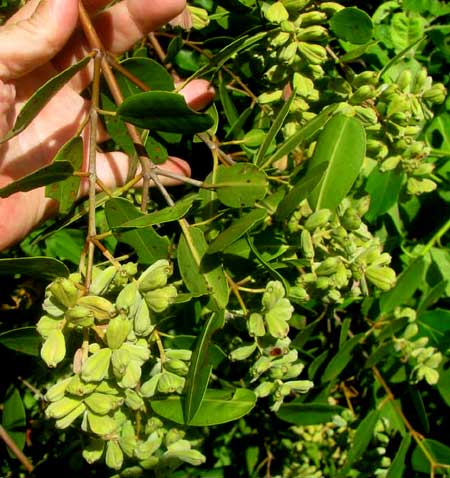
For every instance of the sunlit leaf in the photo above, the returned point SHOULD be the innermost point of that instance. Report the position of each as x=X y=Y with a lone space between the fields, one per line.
x=42 y=96
x=46 y=267
x=148 y=245
x=66 y=192
x=44 y=176
x=237 y=229
x=240 y=185
x=200 y=367
x=163 y=111
x=304 y=414
x=353 y=25
x=24 y=340
x=342 y=146
x=218 y=406
x=14 y=418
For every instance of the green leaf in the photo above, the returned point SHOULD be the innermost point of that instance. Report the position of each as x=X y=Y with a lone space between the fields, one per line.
x=438 y=451
x=305 y=414
x=45 y=267
x=229 y=109
x=168 y=214
x=66 y=244
x=201 y=273
x=444 y=385
x=341 y=145
x=14 y=418
x=384 y=190
x=240 y=185
x=353 y=25
x=341 y=359
x=44 y=176
x=148 y=245
x=236 y=230
x=397 y=468
x=435 y=324
x=301 y=136
x=24 y=340
x=407 y=283
x=406 y=29
x=66 y=192
x=361 y=440
x=163 y=111
x=217 y=407
x=149 y=72
x=300 y=191
x=42 y=96
x=276 y=125
x=200 y=367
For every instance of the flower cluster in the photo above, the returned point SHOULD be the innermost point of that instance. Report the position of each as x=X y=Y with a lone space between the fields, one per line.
x=115 y=328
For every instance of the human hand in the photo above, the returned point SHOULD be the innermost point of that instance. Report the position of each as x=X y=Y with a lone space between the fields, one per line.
x=40 y=40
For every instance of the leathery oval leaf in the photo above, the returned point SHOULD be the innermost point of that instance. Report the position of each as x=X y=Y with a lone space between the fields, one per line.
x=342 y=146
x=163 y=111
x=218 y=406
x=240 y=185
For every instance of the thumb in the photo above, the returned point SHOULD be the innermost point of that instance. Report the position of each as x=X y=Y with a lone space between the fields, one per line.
x=31 y=42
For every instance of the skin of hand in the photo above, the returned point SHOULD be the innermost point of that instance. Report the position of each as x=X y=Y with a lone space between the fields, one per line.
x=40 y=40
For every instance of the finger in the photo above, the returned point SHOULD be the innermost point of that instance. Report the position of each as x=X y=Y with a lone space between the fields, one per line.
x=28 y=43
x=121 y=26
x=112 y=170
x=198 y=93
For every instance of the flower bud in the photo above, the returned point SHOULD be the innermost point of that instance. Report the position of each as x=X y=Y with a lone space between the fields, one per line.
x=117 y=332
x=287 y=53
x=306 y=244
x=56 y=391
x=176 y=366
x=404 y=81
x=173 y=435
x=155 y=276
x=436 y=94
x=365 y=78
x=120 y=358
x=300 y=386
x=182 y=450
x=138 y=351
x=170 y=383
x=363 y=93
x=312 y=52
x=62 y=407
x=94 y=451
x=77 y=387
x=102 y=280
x=53 y=350
x=148 y=388
x=270 y=97
x=101 y=424
x=64 y=291
x=200 y=18
x=79 y=316
x=260 y=366
x=272 y=295
x=242 y=353
x=264 y=389
x=142 y=322
x=67 y=420
x=295 y=5
x=114 y=455
x=127 y=297
x=180 y=354
x=276 y=13
x=47 y=324
x=147 y=448
x=310 y=18
x=102 y=308
x=131 y=376
x=312 y=34
x=382 y=277
x=159 y=300
x=133 y=400
x=328 y=266
x=96 y=367
x=255 y=326
x=419 y=186
x=318 y=219
x=390 y=163
x=102 y=403
x=294 y=371
x=127 y=439
x=351 y=219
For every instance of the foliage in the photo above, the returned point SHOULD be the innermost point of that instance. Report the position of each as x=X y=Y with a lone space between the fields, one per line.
x=284 y=312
